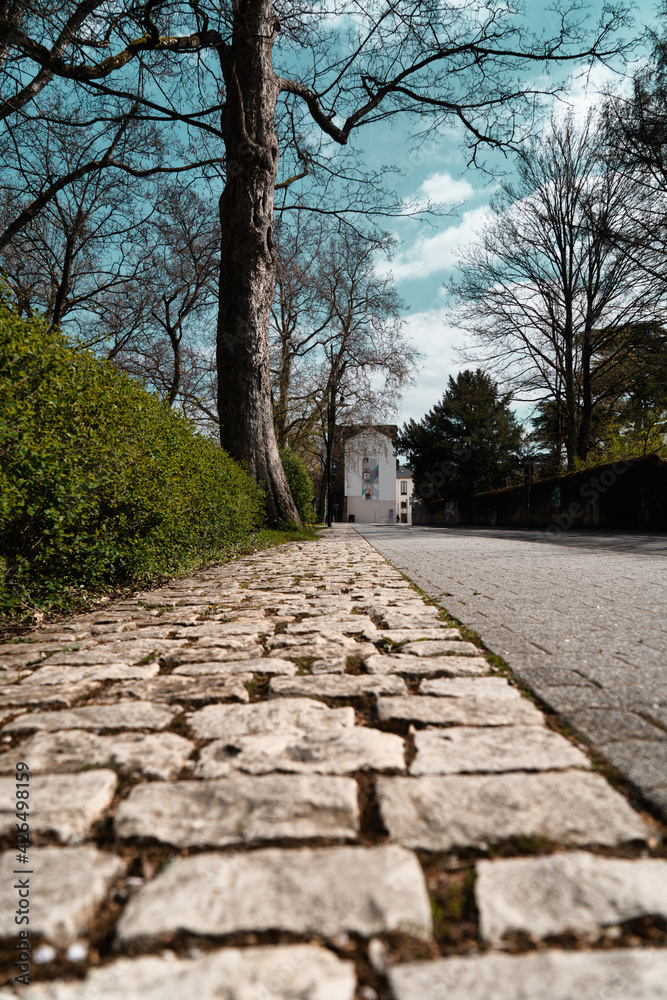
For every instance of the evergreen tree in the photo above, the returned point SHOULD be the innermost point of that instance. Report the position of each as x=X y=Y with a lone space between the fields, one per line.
x=469 y=442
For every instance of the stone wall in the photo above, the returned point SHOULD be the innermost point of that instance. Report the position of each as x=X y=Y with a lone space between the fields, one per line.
x=630 y=494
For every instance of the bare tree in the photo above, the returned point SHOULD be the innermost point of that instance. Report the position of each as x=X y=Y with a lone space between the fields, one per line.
x=635 y=131
x=547 y=292
x=340 y=66
x=177 y=291
x=336 y=331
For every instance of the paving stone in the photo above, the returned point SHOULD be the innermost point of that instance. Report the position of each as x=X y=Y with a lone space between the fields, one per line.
x=224 y=629
x=25 y=654
x=129 y=715
x=605 y=725
x=225 y=721
x=332 y=665
x=324 y=636
x=8 y=676
x=66 y=805
x=393 y=620
x=165 y=634
x=212 y=654
x=467 y=687
x=441 y=813
x=464 y=711
x=621 y=974
x=128 y=651
x=573 y=892
x=554 y=677
x=109 y=672
x=194 y=692
x=69 y=885
x=297 y=647
x=644 y=762
x=459 y=750
x=28 y=695
x=96 y=630
x=160 y=755
x=324 y=891
x=437 y=647
x=347 y=624
x=260 y=665
x=341 y=751
x=8 y=713
x=288 y=972
x=426 y=666
x=240 y=810
x=337 y=686
x=403 y=635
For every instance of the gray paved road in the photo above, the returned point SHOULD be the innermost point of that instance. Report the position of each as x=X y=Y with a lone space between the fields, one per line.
x=580 y=617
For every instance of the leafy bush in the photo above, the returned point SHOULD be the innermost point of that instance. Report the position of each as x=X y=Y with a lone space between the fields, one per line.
x=300 y=484
x=100 y=484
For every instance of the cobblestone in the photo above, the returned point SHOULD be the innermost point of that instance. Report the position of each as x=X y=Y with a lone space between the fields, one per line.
x=133 y=715
x=72 y=881
x=326 y=891
x=548 y=975
x=264 y=665
x=240 y=810
x=225 y=721
x=156 y=755
x=336 y=752
x=337 y=686
x=426 y=666
x=466 y=710
x=460 y=750
x=191 y=691
x=239 y=758
x=65 y=805
x=291 y=972
x=109 y=672
x=443 y=813
x=572 y=892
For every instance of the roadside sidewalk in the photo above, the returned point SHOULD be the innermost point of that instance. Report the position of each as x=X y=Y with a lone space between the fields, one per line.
x=287 y=779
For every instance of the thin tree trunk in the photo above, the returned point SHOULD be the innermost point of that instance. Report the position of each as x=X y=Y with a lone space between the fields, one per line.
x=248 y=255
x=283 y=385
x=65 y=281
x=175 y=340
x=586 y=422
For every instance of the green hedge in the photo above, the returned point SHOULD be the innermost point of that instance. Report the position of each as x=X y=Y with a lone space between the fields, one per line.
x=100 y=484
x=300 y=484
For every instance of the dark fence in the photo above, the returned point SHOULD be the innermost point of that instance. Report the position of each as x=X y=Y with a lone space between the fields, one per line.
x=630 y=494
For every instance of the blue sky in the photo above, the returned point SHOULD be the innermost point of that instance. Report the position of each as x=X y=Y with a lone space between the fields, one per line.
x=427 y=251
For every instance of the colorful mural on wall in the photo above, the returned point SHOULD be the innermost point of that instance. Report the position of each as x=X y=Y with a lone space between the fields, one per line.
x=370 y=477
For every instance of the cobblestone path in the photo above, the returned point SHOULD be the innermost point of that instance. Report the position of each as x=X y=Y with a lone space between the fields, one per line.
x=287 y=779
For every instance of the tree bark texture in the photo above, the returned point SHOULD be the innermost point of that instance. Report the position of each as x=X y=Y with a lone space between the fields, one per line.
x=248 y=254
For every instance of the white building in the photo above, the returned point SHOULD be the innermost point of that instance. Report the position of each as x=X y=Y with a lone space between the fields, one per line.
x=370 y=477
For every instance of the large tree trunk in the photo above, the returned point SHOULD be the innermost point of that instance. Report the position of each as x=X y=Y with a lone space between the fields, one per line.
x=248 y=255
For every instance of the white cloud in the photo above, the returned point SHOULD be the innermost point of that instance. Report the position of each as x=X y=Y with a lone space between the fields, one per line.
x=585 y=90
x=432 y=254
x=441 y=189
x=433 y=335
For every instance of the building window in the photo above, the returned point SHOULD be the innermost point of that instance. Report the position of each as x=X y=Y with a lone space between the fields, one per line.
x=404 y=488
